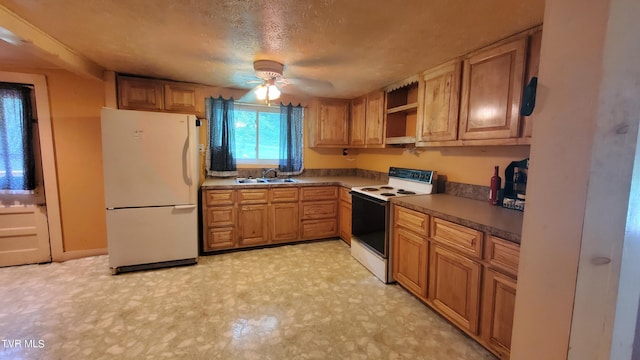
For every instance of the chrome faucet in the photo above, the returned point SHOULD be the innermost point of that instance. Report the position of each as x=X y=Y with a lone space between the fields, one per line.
x=267 y=171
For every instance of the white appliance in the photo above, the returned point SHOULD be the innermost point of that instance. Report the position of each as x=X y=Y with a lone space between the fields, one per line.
x=371 y=243
x=151 y=181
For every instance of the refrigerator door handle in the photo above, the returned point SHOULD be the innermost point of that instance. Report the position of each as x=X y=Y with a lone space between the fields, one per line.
x=181 y=207
x=186 y=157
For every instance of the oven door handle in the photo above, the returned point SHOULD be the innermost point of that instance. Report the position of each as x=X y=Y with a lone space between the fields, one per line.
x=368 y=198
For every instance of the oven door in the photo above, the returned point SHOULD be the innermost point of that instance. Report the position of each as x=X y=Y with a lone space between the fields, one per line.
x=369 y=219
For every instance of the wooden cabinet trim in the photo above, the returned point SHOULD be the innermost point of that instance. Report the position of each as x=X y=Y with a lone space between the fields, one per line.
x=503 y=255
x=498 y=307
x=252 y=196
x=459 y=237
x=219 y=197
x=448 y=292
x=439 y=103
x=410 y=257
x=412 y=220
x=513 y=53
x=312 y=193
x=289 y=194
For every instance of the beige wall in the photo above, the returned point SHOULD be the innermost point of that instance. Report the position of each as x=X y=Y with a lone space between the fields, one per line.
x=581 y=160
x=75 y=115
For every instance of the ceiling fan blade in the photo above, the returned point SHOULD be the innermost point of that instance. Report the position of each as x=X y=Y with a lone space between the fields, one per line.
x=250 y=96
x=310 y=84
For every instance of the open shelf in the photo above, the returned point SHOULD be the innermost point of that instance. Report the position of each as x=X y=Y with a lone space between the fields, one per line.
x=402 y=113
x=403 y=108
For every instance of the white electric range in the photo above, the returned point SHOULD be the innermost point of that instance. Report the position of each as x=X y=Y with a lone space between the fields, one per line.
x=370 y=216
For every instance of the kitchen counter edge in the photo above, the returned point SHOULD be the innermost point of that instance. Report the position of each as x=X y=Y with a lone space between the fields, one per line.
x=346 y=181
x=479 y=215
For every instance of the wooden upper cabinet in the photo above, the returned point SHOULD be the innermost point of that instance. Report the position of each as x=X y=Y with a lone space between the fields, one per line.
x=180 y=97
x=140 y=94
x=331 y=124
x=440 y=103
x=491 y=92
x=150 y=94
x=357 y=130
x=375 y=119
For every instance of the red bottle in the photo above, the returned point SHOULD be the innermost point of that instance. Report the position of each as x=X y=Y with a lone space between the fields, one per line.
x=495 y=186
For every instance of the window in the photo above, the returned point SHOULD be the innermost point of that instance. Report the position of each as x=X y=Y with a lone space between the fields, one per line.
x=257 y=136
x=17 y=163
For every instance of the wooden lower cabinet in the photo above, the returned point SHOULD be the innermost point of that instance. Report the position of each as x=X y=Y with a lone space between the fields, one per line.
x=454 y=287
x=319 y=229
x=410 y=261
x=253 y=224
x=220 y=238
x=345 y=221
x=498 y=301
x=284 y=222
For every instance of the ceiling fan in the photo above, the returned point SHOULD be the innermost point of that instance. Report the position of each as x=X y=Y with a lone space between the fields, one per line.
x=271 y=81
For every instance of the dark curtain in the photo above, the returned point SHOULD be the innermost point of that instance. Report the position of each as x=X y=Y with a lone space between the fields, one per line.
x=291 y=140
x=221 y=137
x=17 y=164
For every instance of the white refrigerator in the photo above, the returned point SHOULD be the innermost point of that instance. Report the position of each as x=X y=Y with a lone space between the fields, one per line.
x=150 y=165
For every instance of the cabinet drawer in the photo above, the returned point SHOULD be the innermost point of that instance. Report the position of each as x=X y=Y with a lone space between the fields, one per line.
x=344 y=194
x=220 y=238
x=289 y=194
x=461 y=238
x=319 y=193
x=319 y=210
x=219 y=197
x=411 y=220
x=503 y=255
x=252 y=196
x=319 y=229
x=218 y=216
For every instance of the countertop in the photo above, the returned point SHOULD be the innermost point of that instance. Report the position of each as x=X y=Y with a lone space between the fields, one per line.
x=348 y=181
x=479 y=215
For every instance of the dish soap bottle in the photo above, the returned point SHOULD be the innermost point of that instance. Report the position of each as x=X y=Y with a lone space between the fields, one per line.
x=495 y=186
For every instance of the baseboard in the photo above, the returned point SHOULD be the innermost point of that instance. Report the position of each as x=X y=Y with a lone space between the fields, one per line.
x=78 y=254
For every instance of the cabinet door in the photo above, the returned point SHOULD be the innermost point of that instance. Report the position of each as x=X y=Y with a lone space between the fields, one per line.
x=180 y=97
x=319 y=209
x=140 y=94
x=345 y=221
x=492 y=92
x=318 y=193
x=454 y=287
x=410 y=261
x=375 y=119
x=332 y=125
x=253 y=224
x=499 y=301
x=439 y=105
x=220 y=239
x=357 y=130
x=284 y=222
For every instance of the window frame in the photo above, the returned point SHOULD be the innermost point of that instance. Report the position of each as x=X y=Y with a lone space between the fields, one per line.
x=257 y=108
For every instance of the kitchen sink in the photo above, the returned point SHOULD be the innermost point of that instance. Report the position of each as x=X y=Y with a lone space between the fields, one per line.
x=265 y=181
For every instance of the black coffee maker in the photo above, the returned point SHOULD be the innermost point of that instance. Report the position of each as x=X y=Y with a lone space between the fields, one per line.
x=515 y=185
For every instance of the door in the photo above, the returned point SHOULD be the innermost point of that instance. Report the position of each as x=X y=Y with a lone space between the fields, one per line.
x=253 y=224
x=439 y=105
x=375 y=119
x=284 y=222
x=149 y=158
x=24 y=227
x=358 y=117
x=499 y=302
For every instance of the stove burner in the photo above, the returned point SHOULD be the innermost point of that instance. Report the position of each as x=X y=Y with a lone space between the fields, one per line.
x=386 y=187
x=388 y=194
x=405 y=192
x=369 y=189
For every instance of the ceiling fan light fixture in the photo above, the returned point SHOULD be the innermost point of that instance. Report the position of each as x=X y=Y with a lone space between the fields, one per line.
x=267 y=91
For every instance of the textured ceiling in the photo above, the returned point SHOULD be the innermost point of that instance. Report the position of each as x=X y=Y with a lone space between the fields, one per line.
x=355 y=45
